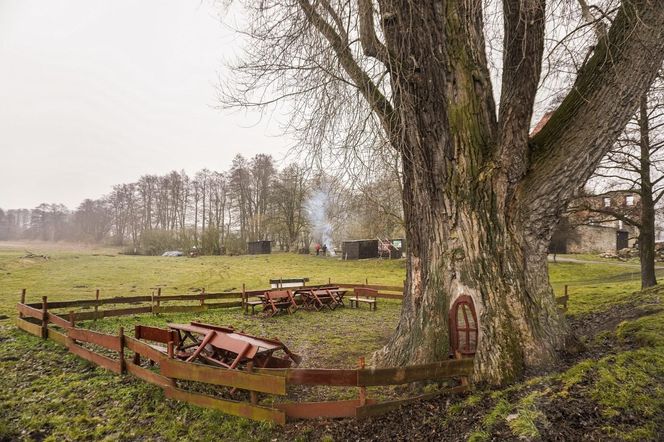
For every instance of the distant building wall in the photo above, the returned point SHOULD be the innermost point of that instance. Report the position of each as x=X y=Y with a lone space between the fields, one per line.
x=595 y=239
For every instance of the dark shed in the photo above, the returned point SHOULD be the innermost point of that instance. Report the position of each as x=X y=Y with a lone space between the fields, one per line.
x=259 y=247
x=360 y=249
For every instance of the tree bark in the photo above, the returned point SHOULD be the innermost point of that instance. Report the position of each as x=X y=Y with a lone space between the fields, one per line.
x=647 y=228
x=481 y=199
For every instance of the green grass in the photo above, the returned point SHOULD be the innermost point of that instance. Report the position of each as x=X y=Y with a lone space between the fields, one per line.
x=76 y=275
x=47 y=393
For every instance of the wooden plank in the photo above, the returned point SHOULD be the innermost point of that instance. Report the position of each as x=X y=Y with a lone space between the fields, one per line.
x=103 y=340
x=179 y=308
x=413 y=373
x=33 y=329
x=144 y=350
x=102 y=301
x=58 y=337
x=84 y=316
x=321 y=376
x=30 y=311
x=379 y=408
x=199 y=296
x=383 y=295
x=149 y=375
x=233 y=408
x=387 y=288
x=57 y=320
x=220 y=376
x=155 y=334
x=103 y=361
x=224 y=295
x=224 y=304
x=314 y=410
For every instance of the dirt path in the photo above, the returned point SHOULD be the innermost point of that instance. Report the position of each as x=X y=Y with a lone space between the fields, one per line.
x=587 y=261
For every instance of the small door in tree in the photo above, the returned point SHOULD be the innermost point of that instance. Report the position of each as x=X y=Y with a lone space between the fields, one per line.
x=463 y=326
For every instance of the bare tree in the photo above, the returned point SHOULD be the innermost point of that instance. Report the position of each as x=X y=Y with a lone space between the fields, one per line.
x=636 y=165
x=289 y=194
x=480 y=197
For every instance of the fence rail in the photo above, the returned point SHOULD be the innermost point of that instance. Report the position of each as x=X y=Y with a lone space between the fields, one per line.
x=82 y=342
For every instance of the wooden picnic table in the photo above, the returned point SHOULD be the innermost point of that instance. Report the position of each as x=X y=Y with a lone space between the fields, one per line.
x=317 y=299
x=226 y=347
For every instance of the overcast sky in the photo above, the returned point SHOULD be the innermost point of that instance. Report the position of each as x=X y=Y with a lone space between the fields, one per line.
x=95 y=93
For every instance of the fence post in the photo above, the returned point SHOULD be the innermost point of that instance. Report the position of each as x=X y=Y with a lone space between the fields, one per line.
x=244 y=300
x=329 y=281
x=96 y=304
x=152 y=303
x=203 y=297
x=44 y=317
x=366 y=281
x=137 y=335
x=363 y=390
x=20 y=315
x=123 y=363
x=158 y=298
x=253 y=397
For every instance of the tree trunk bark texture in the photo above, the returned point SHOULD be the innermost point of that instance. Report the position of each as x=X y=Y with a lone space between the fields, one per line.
x=480 y=201
x=647 y=229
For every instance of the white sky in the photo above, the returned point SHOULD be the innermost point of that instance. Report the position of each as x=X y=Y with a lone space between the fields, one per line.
x=95 y=93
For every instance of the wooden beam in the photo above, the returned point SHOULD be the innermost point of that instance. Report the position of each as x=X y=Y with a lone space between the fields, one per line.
x=149 y=376
x=58 y=337
x=379 y=408
x=33 y=329
x=190 y=371
x=30 y=312
x=321 y=376
x=110 y=342
x=103 y=361
x=413 y=373
x=315 y=410
x=143 y=349
x=234 y=408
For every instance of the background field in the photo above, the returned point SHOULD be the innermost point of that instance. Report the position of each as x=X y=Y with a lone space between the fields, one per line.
x=46 y=393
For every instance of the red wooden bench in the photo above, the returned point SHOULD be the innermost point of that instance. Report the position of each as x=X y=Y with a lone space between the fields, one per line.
x=278 y=301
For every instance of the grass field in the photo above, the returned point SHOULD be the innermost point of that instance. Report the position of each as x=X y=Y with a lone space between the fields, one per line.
x=48 y=394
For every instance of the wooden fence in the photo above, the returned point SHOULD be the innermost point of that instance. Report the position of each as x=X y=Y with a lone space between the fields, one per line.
x=37 y=319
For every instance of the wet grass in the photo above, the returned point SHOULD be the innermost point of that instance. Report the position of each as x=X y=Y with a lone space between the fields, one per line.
x=49 y=394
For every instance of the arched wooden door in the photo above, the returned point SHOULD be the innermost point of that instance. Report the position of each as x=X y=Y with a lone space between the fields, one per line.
x=464 y=329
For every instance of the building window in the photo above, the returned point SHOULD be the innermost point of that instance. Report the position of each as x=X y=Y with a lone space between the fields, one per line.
x=463 y=326
x=629 y=200
x=607 y=202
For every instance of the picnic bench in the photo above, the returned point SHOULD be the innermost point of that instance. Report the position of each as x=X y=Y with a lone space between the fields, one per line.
x=317 y=299
x=278 y=301
x=362 y=294
x=229 y=348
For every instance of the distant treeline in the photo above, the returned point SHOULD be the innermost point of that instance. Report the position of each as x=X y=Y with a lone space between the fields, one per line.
x=217 y=212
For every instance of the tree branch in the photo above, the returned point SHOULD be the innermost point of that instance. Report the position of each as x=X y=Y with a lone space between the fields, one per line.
x=589 y=120
x=379 y=104
x=524 y=44
x=370 y=44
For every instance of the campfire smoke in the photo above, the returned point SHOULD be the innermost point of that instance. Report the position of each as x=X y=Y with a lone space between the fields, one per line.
x=317 y=205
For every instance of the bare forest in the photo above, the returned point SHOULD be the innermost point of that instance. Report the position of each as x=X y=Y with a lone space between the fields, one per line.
x=218 y=212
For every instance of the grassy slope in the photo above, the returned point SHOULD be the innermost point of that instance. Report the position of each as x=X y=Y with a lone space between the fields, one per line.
x=47 y=393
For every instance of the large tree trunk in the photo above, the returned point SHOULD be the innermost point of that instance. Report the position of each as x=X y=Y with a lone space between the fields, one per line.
x=481 y=199
x=647 y=230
